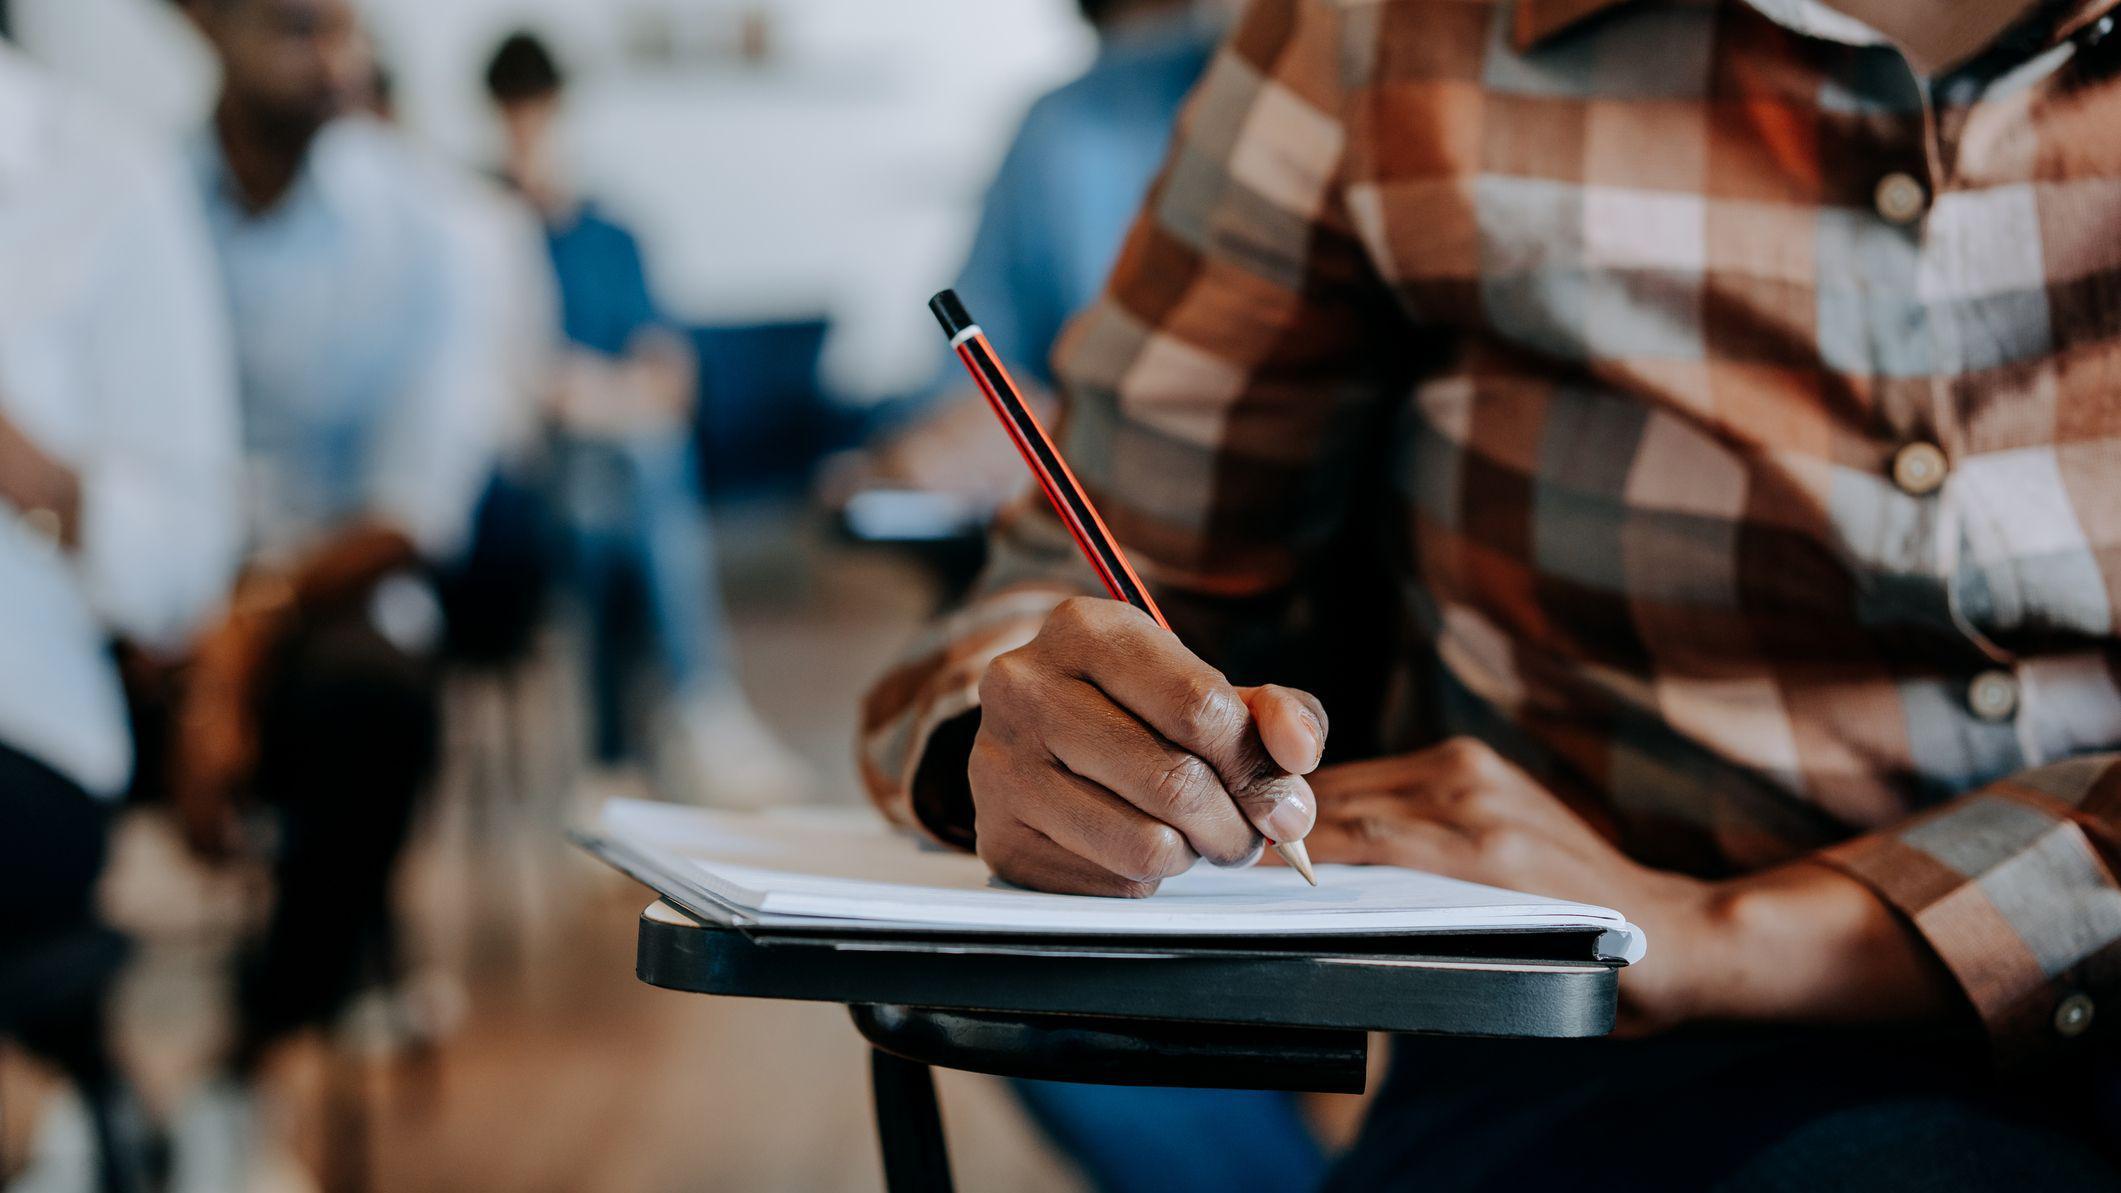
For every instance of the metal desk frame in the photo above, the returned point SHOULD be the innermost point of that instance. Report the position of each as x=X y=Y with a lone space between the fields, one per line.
x=1198 y=1013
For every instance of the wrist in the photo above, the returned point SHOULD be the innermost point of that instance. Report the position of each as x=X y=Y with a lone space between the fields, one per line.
x=45 y=494
x=1691 y=933
x=1805 y=943
x=1738 y=919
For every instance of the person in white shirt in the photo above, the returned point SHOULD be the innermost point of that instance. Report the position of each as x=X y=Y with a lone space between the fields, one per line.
x=369 y=402
x=118 y=519
x=117 y=456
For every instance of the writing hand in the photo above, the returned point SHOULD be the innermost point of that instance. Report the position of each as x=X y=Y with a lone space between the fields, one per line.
x=1110 y=758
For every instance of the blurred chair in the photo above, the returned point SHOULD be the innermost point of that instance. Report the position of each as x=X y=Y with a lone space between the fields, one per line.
x=507 y=751
x=764 y=418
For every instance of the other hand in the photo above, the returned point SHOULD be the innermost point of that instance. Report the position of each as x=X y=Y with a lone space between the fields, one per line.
x=1110 y=758
x=1800 y=943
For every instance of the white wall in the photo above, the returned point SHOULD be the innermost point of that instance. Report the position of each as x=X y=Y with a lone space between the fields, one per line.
x=839 y=178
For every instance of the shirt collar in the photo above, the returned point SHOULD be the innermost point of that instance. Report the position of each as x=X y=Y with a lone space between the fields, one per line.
x=1813 y=18
x=1537 y=20
x=330 y=178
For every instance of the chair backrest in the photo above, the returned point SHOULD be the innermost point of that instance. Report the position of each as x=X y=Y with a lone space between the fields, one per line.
x=764 y=416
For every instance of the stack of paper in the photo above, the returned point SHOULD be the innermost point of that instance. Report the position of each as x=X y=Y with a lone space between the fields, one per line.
x=849 y=871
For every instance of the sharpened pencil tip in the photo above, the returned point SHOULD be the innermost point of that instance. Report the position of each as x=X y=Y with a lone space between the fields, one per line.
x=1299 y=859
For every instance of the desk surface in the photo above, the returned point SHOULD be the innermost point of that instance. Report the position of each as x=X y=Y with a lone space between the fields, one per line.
x=1456 y=985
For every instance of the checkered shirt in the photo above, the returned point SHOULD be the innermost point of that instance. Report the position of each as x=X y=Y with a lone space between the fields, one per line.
x=1738 y=414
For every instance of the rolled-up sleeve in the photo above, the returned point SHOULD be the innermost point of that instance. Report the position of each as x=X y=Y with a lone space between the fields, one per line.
x=1213 y=399
x=2017 y=887
x=936 y=679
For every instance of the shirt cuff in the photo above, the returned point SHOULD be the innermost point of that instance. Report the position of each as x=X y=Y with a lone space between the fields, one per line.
x=2014 y=886
x=936 y=681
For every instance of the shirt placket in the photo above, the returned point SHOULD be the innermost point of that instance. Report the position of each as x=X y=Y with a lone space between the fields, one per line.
x=1920 y=466
x=1951 y=108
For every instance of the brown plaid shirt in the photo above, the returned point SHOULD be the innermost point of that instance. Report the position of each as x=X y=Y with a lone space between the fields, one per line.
x=1744 y=412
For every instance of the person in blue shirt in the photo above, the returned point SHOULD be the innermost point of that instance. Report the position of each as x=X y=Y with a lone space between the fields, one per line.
x=627 y=471
x=1050 y=229
x=1073 y=180
x=1049 y=232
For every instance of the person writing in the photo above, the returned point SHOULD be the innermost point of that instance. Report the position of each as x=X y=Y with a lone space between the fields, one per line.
x=1713 y=399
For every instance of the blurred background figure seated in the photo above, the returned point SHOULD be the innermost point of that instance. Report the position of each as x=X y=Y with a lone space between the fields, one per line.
x=308 y=724
x=626 y=480
x=117 y=518
x=1050 y=226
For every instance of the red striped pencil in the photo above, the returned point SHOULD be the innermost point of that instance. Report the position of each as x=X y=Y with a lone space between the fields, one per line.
x=1061 y=488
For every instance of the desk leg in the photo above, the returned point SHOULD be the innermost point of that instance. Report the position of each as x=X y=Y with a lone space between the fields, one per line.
x=909 y=1125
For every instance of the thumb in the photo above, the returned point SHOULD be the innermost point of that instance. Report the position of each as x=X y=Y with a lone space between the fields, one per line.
x=1292 y=726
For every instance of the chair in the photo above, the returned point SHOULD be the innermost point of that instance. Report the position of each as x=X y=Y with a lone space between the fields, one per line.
x=764 y=418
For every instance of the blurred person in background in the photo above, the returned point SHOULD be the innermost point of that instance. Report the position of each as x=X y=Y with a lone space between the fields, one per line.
x=1049 y=231
x=368 y=403
x=495 y=594
x=627 y=471
x=118 y=510
x=1050 y=228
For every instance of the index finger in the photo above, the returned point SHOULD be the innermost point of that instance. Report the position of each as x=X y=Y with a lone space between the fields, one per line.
x=1145 y=669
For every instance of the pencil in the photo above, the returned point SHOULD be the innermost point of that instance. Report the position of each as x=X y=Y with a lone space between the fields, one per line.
x=1061 y=488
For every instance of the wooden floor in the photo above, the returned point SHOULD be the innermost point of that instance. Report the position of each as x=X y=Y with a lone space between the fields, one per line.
x=552 y=1068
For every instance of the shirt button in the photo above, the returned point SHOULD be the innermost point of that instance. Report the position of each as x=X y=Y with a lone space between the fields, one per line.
x=1993 y=695
x=1900 y=197
x=1919 y=469
x=2074 y=1017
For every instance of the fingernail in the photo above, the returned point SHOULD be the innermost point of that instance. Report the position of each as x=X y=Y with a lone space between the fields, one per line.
x=1290 y=818
x=1318 y=740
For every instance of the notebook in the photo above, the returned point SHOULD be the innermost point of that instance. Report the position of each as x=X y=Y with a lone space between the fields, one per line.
x=847 y=871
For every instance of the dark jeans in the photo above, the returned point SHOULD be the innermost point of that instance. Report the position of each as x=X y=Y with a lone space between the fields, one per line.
x=53 y=836
x=56 y=962
x=349 y=735
x=642 y=551
x=497 y=595
x=1744 y=1113
x=1146 y=1139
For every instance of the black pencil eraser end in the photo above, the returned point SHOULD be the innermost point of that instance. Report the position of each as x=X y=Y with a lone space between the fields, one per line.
x=950 y=312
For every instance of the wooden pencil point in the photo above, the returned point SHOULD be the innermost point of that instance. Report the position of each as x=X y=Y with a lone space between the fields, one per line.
x=1299 y=859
